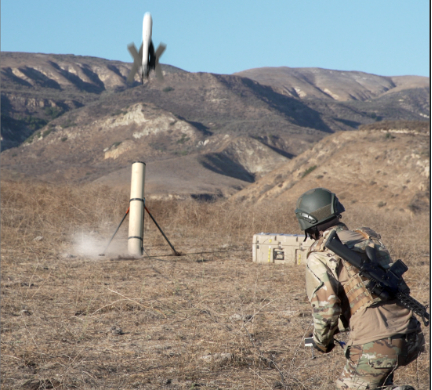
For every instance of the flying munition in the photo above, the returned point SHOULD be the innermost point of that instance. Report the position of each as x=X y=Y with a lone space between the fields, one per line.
x=146 y=59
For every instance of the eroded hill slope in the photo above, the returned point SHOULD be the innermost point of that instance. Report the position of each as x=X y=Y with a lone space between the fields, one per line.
x=307 y=83
x=380 y=168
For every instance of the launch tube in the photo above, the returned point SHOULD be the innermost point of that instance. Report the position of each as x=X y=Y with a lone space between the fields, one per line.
x=136 y=209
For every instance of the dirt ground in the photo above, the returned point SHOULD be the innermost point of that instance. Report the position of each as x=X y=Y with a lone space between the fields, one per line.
x=208 y=319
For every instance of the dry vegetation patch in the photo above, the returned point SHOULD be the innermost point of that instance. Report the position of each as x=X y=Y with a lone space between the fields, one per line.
x=208 y=319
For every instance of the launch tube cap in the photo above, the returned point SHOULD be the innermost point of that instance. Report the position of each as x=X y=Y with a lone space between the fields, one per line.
x=316 y=206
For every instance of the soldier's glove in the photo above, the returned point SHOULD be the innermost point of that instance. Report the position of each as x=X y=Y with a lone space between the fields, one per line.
x=322 y=348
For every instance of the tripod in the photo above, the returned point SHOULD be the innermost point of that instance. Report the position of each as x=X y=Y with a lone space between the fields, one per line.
x=157 y=225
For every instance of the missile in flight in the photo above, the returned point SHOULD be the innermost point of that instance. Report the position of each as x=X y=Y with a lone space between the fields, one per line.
x=146 y=58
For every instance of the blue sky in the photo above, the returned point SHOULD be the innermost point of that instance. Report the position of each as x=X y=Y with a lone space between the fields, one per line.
x=383 y=37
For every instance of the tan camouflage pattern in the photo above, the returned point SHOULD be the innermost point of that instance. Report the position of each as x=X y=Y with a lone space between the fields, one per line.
x=371 y=366
x=368 y=365
x=358 y=295
x=373 y=239
x=322 y=280
x=323 y=290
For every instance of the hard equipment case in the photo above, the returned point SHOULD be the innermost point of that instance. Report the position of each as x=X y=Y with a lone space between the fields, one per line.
x=280 y=248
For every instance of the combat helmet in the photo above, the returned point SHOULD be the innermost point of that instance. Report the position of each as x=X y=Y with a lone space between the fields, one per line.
x=317 y=206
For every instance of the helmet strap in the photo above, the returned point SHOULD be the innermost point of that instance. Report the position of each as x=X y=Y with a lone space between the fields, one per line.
x=314 y=231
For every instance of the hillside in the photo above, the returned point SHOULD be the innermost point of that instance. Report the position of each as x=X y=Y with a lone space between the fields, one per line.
x=309 y=83
x=37 y=88
x=384 y=168
x=73 y=119
x=182 y=159
x=66 y=72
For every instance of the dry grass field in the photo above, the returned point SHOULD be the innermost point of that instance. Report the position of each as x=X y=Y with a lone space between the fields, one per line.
x=208 y=319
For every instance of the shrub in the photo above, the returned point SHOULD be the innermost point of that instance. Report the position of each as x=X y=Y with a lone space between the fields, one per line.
x=33 y=122
x=309 y=170
x=183 y=139
x=53 y=112
x=46 y=132
x=68 y=123
x=118 y=112
x=30 y=139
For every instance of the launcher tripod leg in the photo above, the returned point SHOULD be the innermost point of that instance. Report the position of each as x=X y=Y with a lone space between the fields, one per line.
x=151 y=216
x=118 y=227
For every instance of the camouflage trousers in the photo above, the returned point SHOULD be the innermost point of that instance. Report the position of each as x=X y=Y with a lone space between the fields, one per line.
x=371 y=366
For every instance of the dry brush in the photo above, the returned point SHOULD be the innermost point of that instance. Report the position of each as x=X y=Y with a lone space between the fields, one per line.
x=209 y=319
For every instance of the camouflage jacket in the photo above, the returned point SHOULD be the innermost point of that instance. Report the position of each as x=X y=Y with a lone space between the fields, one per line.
x=339 y=297
x=324 y=290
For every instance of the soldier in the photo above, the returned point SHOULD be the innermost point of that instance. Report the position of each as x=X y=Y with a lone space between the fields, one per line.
x=383 y=335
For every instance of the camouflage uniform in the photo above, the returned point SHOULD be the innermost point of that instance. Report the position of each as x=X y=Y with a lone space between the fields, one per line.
x=383 y=335
x=371 y=365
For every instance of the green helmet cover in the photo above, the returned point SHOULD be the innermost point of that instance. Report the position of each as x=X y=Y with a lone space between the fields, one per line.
x=316 y=206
